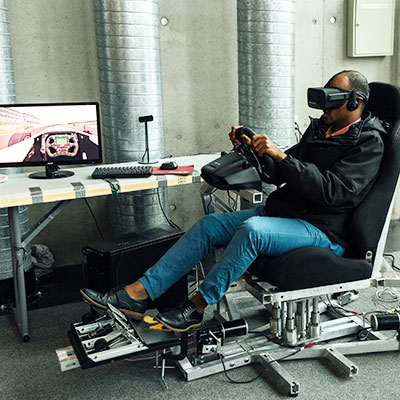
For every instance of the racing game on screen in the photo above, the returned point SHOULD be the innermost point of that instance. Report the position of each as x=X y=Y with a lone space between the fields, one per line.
x=45 y=133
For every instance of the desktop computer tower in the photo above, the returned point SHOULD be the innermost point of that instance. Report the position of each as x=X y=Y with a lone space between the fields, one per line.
x=109 y=263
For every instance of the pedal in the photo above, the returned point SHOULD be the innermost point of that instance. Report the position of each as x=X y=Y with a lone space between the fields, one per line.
x=122 y=323
x=114 y=336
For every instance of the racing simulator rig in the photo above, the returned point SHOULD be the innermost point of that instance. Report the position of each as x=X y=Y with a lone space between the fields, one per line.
x=291 y=287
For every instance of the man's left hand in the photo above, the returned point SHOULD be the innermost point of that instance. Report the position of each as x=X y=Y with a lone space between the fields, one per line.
x=264 y=145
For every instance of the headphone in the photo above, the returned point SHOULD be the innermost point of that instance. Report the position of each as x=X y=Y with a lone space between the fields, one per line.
x=353 y=102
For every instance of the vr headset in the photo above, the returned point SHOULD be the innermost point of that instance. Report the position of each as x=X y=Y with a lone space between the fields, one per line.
x=328 y=98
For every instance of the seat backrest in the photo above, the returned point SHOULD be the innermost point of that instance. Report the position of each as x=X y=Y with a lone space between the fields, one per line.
x=369 y=218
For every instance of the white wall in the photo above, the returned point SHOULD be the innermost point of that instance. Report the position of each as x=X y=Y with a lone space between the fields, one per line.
x=55 y=60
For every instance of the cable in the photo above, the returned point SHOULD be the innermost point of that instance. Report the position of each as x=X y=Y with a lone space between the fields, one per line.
x=234 y=201
x=94 y=217
x=115 y=190
x=387 y=295
x=297 y=132
x=363 y=333
x=144 y=155
x=341 y=311
x=210 y=200
x=260 y=170
x=389 y=255
x=333 y=307
x=84 y=274
x=221 y=357
x=171 y=223
x=394 y=266
x=140 y=359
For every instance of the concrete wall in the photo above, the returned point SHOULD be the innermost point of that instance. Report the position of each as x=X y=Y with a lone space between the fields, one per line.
x=200 y=89
x=55 y=60
x=54 y=52
x=321 y=51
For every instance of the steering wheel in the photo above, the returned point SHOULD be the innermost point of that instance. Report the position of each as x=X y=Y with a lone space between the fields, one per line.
x=265 y=164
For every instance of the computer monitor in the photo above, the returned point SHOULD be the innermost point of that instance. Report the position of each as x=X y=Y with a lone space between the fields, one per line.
x=49 y=135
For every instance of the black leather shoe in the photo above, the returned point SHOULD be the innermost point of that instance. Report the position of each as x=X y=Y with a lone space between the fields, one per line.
x=181 y=318
x=119 y=299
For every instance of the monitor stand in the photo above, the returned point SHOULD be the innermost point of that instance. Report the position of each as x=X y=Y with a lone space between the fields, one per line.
x=52 y=172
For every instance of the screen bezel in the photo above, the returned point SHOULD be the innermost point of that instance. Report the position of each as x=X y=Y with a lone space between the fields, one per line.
x=64 y=162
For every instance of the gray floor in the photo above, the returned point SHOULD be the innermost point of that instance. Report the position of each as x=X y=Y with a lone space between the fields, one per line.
x=30 y=371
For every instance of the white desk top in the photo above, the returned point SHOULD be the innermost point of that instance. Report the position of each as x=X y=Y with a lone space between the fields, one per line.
x=20 y=190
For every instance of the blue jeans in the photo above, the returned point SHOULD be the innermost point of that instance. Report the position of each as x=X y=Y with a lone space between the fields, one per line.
x=244 y=234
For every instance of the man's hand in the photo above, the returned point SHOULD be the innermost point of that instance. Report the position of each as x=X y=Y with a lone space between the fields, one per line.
x=232 y=135
x=264 y=145
x=261 y=143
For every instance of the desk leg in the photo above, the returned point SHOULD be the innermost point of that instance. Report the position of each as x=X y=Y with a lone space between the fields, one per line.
x=21 y=309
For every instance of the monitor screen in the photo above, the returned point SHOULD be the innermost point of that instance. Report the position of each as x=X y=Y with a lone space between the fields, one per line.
x=49 y=135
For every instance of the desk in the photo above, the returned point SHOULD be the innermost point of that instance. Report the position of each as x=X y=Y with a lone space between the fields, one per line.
x=21 y=190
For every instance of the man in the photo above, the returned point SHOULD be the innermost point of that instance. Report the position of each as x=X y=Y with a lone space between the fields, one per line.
x=325 y=176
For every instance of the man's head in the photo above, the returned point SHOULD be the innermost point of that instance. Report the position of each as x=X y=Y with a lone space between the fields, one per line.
x=352 y=109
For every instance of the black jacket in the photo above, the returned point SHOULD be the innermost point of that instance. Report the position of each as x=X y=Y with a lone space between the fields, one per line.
x=326 y=178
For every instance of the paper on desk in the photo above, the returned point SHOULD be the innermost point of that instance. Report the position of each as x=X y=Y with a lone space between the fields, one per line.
x=181 y=170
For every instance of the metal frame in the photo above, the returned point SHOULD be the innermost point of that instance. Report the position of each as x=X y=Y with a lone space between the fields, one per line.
x=268 y=346
x=19 y=245
x=267 y=353
x=295 y=321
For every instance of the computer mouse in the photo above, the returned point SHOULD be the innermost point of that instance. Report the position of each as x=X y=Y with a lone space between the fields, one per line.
x=169 y=165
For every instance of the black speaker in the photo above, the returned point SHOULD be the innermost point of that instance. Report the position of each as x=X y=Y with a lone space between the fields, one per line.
x=109 y=263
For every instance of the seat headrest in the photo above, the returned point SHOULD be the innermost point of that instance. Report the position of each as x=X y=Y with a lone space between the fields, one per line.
x=384 y=101
x=369 y=217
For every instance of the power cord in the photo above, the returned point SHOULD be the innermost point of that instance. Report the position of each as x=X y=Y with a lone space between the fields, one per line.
x=210 y=200
x=387 y=295
x=121 y=243
x=114 y=186
x=221 y=357
x=94 y=218
x=297 y=132
x=341 y=311
x=394 y=266
x=115 y=190
x=170 y=222
x=233 y=200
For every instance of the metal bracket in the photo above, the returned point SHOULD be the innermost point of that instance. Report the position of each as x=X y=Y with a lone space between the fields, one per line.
x=280 y=375
x=341 y=362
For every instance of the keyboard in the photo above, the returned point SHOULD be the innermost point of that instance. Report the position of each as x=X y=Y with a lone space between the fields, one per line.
x=137 y=171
